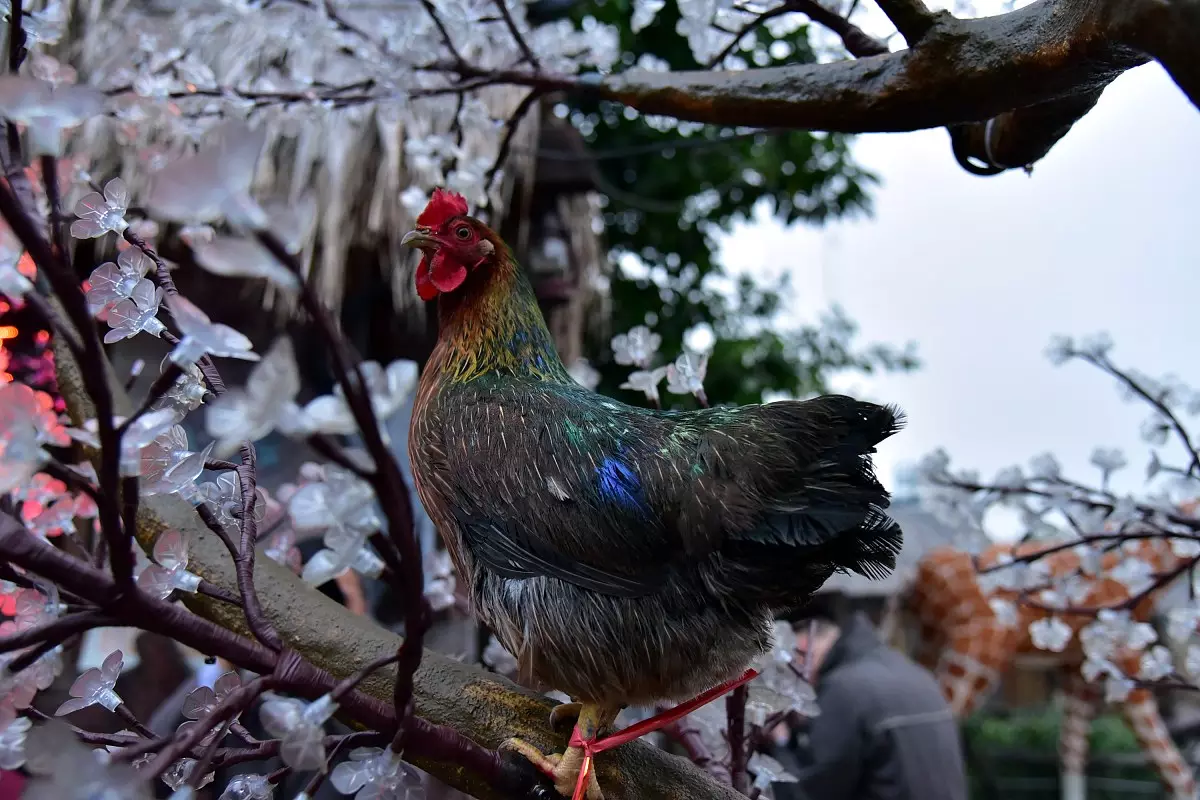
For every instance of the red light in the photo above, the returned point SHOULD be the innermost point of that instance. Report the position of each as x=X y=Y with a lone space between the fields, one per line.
x=42 y=337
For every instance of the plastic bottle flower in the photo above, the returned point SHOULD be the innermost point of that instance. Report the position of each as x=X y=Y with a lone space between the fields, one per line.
x=66 y=769
x=343 y=507
x=13 y=731
x=388 y=390
x=1050 y=633
x=214 y=182
x=13 y=282
x=179 y=773
x=281 y=548
x=375 y=774
x=170 y=571
x=243 y=258
x=266 y=402
x=27 y=421
x=202 y=700
x=637 y=347
x=98 y=214
x=110 y=283
x=47 y=110
x=767 y=771
x=646 y=382
x=95 y=686
x=301 y=727
x=140 y=435
x=686 y=375
x=139 y=313
x=248 y=787
x=202 y=337
x=584 y=373
x=440 y=582
x=187 y=393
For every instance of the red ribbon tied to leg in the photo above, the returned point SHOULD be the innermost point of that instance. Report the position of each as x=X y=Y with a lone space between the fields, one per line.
x=593 y=747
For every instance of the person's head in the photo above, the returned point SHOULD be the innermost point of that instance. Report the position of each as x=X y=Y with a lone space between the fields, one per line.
x=816 y=629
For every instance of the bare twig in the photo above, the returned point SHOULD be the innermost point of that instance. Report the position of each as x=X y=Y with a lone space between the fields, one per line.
x=431 y=9
x=747 y=29
x=511 y=24
x=510 y=132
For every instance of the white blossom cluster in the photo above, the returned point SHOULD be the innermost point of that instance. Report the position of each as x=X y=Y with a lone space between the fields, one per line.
x=1096 y=548
x=638 y=347
x=319 y=80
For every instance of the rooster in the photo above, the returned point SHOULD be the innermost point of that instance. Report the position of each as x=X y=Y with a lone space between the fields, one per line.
x=625 y=556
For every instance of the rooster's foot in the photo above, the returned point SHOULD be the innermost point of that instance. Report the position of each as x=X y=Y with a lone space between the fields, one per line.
x=565 y=712
x=561 y=768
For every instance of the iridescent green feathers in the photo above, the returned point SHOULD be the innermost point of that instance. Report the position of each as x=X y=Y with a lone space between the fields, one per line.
x=543 y=479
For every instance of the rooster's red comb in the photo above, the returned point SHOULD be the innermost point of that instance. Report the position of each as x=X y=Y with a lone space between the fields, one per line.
x=442 y=206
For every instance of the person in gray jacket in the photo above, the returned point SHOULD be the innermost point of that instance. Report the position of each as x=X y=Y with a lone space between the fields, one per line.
x=884 y=732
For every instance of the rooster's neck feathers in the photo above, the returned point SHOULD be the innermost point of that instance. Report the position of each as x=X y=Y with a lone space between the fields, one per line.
x=494 y=325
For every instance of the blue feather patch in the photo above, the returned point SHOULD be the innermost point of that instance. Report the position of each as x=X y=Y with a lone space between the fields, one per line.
x=620 y=484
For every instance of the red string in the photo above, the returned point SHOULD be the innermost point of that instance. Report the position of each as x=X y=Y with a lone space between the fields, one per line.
x=592 y=747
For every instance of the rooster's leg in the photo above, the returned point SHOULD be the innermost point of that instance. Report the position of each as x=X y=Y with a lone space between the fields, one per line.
x=564 y=768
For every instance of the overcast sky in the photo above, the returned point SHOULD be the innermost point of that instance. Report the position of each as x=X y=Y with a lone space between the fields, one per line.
x=980 y=272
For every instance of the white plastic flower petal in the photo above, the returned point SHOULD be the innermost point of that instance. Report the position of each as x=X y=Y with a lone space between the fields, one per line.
x=768 y=771
x=584 y=373
x=12 y=742
x=1155 y=664
x=180 y=477
x=341 y=500
x=113 y=282
x=375 y=774
x=646 y=382
x=137 y=314
x=140 y=435
x=187 y=394
x=27 y=421
x=33 y=607
x=214 y=182
x=47 y=110
x=388 y=390
x=66 y=769
x=180 y=772
x=267 y=401
x=637 y=347
x=248 y=787
x=327 y=564
x=243 y=258
x=170 y=572
x=12 y=281
x=95 y=686
x=98 y=214
x=1050 y=633
x=301 y=726
x=203 y=337
x=686 y=375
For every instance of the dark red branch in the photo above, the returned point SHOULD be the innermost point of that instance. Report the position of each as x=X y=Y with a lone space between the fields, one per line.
x=256 y=618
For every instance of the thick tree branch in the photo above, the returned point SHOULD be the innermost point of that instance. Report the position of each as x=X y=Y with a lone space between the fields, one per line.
x=961 y=71
x=481 y=706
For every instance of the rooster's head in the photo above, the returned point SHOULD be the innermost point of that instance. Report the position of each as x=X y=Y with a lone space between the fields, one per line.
x=452 y=244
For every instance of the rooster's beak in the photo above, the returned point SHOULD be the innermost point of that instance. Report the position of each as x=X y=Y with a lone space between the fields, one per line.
x=420 y=239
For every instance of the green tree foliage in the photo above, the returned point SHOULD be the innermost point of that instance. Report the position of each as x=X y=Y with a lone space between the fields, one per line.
x=672 y=187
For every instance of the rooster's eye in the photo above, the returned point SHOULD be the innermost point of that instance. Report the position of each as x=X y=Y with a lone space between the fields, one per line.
x=463 y=233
